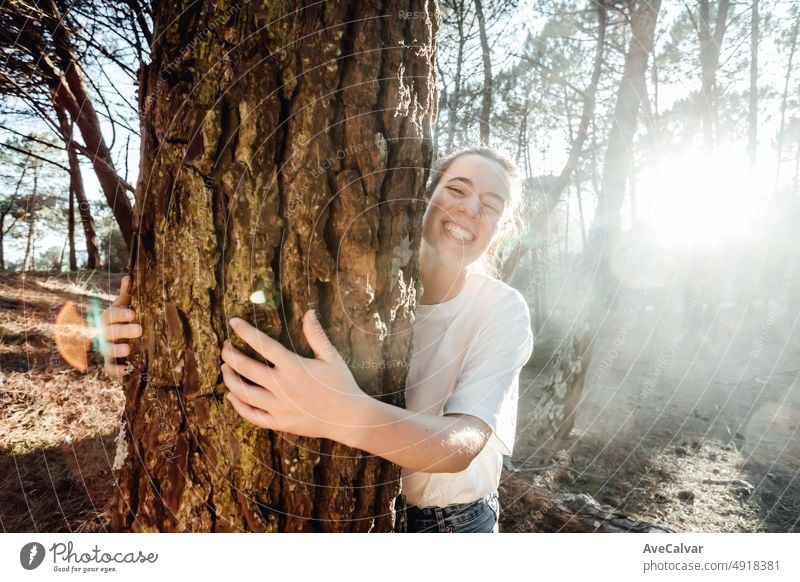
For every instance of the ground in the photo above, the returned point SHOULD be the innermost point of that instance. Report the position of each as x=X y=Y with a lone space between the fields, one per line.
x=675 y=429
x=696 y=428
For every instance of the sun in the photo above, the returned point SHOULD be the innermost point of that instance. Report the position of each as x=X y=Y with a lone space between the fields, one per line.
x=698 y=198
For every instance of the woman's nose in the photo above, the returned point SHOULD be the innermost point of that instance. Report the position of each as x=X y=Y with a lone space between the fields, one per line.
x=470 y=206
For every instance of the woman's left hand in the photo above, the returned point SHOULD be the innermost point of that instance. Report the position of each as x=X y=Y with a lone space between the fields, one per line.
x=312 y=397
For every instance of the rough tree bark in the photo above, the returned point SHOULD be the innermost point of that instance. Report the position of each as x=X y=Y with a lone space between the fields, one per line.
x=558 y=404
x=285 y=152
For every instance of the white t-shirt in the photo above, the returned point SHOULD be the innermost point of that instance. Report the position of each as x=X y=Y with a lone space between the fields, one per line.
x=466 y=358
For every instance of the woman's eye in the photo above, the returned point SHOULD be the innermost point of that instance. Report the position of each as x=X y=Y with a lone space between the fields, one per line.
x=454 y=189
x=490 y=208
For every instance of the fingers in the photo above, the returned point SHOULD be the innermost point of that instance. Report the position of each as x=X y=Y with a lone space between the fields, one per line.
x=115 y=314
x=124 y=298
x=318 y=339
x=120 y=331
x=252 y=415
x=267 y=347
x=247 y=367
x=110 y=350
x=116 y=370
x=255 y=396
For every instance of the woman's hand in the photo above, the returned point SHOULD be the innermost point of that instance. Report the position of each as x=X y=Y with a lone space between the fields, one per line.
x=311 y=397
x=117 y=324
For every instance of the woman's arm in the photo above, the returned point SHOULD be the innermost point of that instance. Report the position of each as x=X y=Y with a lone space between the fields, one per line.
x=318 y=397
x=418 y=442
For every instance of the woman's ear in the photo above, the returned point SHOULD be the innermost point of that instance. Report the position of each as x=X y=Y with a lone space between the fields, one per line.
x=496 y=244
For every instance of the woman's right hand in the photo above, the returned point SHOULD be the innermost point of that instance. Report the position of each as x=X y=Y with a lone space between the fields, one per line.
x=118 y=324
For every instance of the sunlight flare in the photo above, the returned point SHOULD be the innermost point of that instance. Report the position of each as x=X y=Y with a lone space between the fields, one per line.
x=702 y=199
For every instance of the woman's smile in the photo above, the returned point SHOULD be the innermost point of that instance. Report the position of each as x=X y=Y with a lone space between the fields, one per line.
x=458 y=232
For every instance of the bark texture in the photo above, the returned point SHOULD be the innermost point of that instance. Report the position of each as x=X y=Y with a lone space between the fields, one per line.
x=285 y=152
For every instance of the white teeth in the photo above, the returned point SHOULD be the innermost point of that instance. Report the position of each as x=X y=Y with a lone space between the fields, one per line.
x=458 y=232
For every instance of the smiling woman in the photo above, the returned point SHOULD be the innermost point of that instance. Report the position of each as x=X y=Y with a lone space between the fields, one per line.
x=471 y=337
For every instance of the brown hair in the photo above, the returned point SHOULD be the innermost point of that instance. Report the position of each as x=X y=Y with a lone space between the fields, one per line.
x=511 y=222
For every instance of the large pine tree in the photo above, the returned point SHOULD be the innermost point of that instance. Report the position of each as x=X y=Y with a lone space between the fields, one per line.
x=285 y=148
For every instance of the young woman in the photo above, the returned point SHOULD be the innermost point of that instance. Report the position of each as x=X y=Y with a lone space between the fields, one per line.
x=471 y=336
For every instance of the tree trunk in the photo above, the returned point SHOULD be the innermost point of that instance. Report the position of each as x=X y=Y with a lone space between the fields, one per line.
x=558 y=404
x=554 y=194
x=12 y=202
x=59 y=262
x=2 y=241
x=710 y=44
x=752 y=114
x=73 y=260
x=796 y=187
x=263 y=189
x=579 y=196
x=587 y=113
x=28 y=261
x=455 y=96
x=784 y=97
x=76 y=186
x=69 y=93
x=486 y=102
x=442 y=105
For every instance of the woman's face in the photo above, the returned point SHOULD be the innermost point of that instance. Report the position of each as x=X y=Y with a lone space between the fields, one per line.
x=465 y=209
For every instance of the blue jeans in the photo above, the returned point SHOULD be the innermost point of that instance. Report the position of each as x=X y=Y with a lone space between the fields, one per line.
x=481 y=516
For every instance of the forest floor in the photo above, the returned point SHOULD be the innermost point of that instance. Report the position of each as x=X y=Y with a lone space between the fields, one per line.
x=58 y=425
x=697 y=436
x=695 y=429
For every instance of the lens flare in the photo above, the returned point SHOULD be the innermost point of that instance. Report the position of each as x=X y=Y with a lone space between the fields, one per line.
x=73 y=337
x=703 y=199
